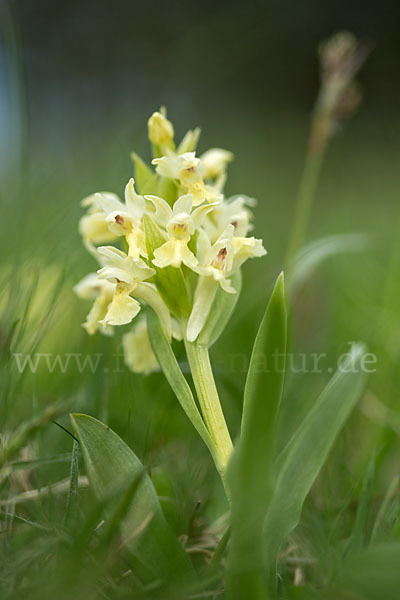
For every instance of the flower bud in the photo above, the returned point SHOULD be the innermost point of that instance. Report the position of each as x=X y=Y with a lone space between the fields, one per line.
x=161 y=132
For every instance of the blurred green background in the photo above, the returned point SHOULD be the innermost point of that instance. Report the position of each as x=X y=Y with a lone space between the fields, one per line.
x=78 y=81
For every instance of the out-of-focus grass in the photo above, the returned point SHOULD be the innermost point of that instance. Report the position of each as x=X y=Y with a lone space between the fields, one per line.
x=351 y=297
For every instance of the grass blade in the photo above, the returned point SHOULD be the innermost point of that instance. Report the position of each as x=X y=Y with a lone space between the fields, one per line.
x=387 y=513
x=71 y=511
x=358 y=537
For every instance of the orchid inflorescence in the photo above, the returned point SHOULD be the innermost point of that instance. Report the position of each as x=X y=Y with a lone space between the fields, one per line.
x=179 y=242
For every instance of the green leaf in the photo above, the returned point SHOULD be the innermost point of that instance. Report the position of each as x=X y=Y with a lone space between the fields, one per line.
x=309 y=258
x=251 y=467
x=111 y=467
x=300 y=462
x=169 y=281
x=167 y=361
x=122 y=509
x=220 y=312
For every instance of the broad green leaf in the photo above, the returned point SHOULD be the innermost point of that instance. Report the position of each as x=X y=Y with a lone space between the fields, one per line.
x=220 y=312
x=309 y=258
x=300 y=462
x=122 y=508
x=169 y=281
x=251 y=467
x=166 y=358
x=111 y=467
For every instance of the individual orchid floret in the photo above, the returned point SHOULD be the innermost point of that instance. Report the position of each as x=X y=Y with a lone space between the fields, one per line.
x=180 y=223
x=233 y=212
x=244 y=248
x=94 y=229
x=216 y=262
x=101 y=291
x=173 y=165
x=187 y=170
x=129 y=275
x=161 y=132
x=125 y=219
x=214 y=162
x=93 y=226
x=138 y=353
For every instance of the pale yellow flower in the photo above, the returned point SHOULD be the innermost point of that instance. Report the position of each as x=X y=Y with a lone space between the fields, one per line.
x=215 y=265
x=129 y=275
x=216 y=260
x=92 y=287
x=231 y=212
x=93 y=226
x=244 y=248
x=214 y=162
x=180 y=223
x=139 y=355
x=125 y=219
x=186 y=168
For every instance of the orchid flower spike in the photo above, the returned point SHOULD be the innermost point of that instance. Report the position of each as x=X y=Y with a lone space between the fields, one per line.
x=175 y=244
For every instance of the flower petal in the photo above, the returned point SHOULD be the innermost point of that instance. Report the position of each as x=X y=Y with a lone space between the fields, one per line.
x=135 y=203
x=122 y=309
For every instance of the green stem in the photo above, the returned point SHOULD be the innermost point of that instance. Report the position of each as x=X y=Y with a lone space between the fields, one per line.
x=305 y=200
x=203 y=378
